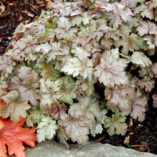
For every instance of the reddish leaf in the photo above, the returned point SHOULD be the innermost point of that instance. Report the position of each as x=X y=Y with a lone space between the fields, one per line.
x=13 y=136
x=1 y=124
x=2 y=102
x=18 y=35
x=5 y=89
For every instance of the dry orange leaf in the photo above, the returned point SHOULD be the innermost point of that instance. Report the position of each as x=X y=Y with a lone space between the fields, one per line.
x=1 y=124
x=13 y=136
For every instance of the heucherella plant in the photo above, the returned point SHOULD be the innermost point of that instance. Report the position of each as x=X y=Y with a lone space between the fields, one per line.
x=77 y=61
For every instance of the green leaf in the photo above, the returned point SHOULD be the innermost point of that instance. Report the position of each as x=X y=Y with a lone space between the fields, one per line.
x=68 y=90
x=48 y=71
x=138 y=43
x=46 y=129
x=50 y=25
x=15 y=108
x=79 y=65
x=116 y=124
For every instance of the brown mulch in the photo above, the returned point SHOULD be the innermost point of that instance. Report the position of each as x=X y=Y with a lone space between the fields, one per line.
x=16 y=11
x=140 y=136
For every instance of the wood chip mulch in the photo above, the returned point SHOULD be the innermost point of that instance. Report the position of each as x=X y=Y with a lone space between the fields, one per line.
x=13 y=12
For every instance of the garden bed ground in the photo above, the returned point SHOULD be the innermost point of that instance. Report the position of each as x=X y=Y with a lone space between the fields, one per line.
x=140 y=136
x=15 y=12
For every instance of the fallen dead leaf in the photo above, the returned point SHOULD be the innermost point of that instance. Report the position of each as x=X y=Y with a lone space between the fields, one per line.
x=2 y=7
x=127 y=140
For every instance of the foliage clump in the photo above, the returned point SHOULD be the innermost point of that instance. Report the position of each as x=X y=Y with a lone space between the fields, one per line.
x=77 y=63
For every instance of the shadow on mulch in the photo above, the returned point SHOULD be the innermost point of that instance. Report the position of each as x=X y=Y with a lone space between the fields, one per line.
x=140 y=136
